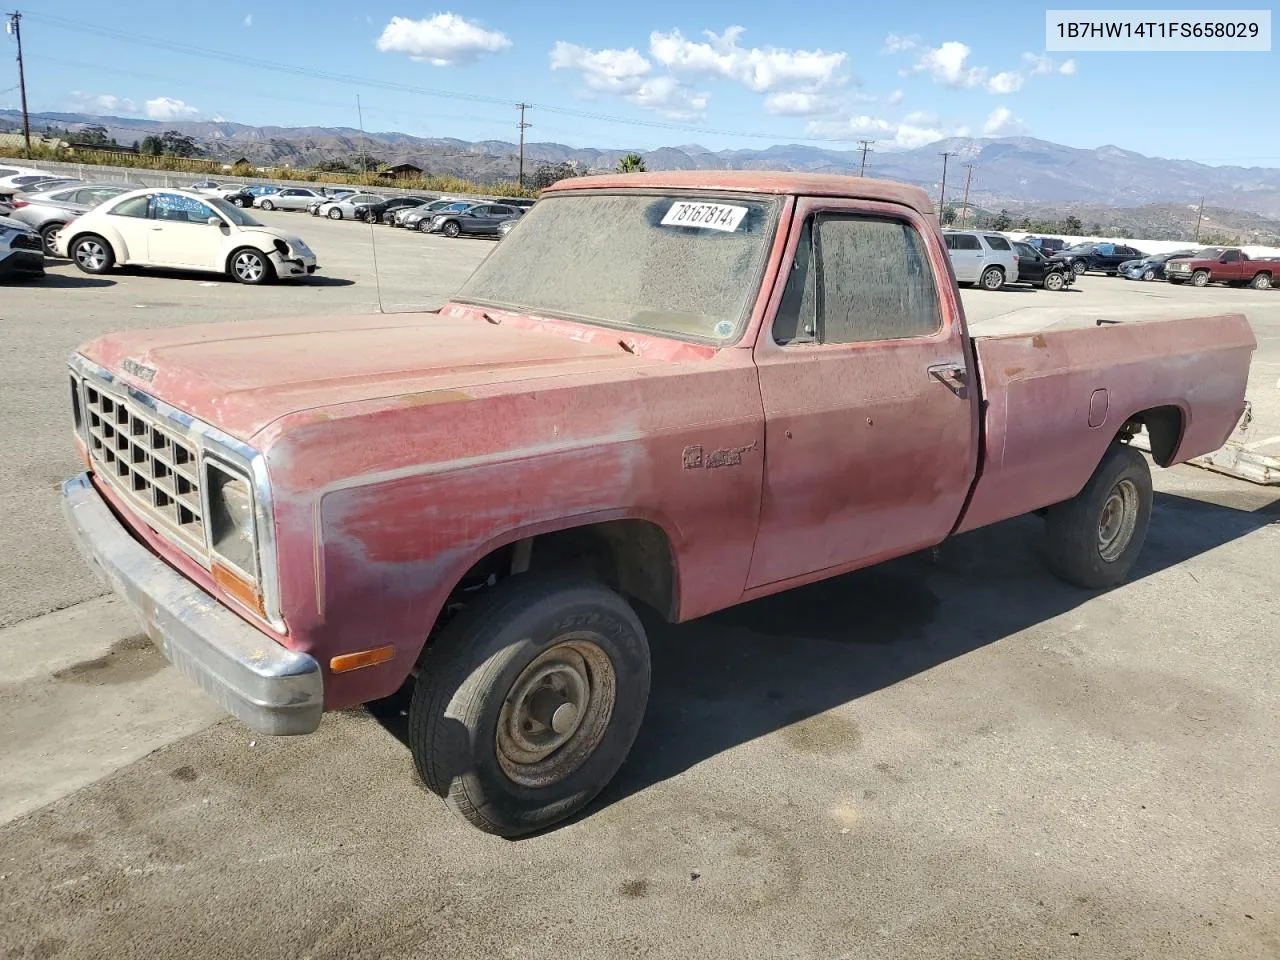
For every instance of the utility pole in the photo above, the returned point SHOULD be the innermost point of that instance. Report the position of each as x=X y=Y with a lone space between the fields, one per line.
x=1199 y=217
x=866 y=145
x=14 y=26
x=523 y=127
x=964 y=209
x=364 y=144
x=942 y=196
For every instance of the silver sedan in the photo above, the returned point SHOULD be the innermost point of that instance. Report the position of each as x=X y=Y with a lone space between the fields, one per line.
x=345 y=208
x=48 y=211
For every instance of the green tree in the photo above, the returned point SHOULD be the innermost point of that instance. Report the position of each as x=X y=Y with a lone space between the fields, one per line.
x=177 y=144
x=334 y=166
x=1072 y=224
x=549 y=173
x=1025 y=224
x=948 y=215
x=152 y=146
x=1003 y=221
x=137 y=147
x=631 y=163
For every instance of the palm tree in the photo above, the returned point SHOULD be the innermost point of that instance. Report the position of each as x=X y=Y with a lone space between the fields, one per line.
x=631 y=163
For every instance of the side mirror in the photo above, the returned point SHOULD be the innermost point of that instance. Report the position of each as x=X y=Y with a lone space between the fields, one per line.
x=214 y=221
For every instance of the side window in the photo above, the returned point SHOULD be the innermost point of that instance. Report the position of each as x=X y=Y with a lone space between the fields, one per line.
x=875 y=281
x=797 y=318
x=133 y=207
x=1231 y=256
x=176 y=208
x=1106 y=249
x=996 y=241
x=964 y=241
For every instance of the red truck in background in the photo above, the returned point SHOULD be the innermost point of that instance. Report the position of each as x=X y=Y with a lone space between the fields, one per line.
x=682 y=390
x=1229 y=265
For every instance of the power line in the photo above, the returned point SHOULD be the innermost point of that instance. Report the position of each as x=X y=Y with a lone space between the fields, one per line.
x=964 y=210
x=942 y=194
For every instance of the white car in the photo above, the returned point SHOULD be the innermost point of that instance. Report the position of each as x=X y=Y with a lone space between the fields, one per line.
x=344 y=208
x=290 y=198
x=215 y=188
x=181 y=229
x=981 y=257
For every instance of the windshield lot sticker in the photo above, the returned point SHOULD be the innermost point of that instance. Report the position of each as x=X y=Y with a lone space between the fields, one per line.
x=705 y=216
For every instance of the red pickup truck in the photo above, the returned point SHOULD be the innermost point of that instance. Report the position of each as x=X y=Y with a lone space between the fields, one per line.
x=1231 y=266
x=682 y=390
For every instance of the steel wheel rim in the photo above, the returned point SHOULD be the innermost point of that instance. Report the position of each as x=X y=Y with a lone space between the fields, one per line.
x=992 y=280
x=50 y=240
x=90 y=254
x=556 y=712
x=249 y=266
x=1117 y=521
x=1054 y=282
x=1200 y=280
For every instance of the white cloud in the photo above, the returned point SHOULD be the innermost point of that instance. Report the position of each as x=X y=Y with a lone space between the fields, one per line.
x=1042 y=64
x=670 y=98
x=895 y=98
x=845 y=126
x=920 y=116
x=946 y=64
x=248 y=19
x=167 y=108
x=106 y=102
x=1002 y=123
x=611 y=71
x=444 y=40
x=1007 y=82
x=761 y=69
x=895 y=43
x=798 y=103
x=909 y=136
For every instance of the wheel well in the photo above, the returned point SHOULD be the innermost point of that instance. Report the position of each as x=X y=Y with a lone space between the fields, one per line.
x=634 y=557
x=1164 y=428
x=247 y=246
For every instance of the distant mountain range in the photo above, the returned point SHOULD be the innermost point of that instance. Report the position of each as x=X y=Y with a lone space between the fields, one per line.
x=1007 y=170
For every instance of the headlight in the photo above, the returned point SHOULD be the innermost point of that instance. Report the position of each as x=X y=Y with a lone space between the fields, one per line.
x=231 y=527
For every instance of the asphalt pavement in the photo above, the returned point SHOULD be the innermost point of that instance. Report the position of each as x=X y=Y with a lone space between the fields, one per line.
x=950 y=755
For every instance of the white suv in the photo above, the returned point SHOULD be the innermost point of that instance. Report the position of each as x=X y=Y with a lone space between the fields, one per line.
x=986 y=259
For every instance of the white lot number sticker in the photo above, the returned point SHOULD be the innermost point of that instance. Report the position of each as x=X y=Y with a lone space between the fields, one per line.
x=707 y=216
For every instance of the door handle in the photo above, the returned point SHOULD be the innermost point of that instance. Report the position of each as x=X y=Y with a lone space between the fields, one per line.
x=157 y=229
x=952 y=376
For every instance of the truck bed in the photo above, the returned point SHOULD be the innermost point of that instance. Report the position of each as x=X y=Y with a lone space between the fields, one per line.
x=1052 y=401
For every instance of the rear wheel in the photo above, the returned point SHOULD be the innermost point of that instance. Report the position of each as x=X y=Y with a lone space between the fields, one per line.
x=49 y=237
x=1054 y=281
x=1261 y=282
x=992 y=278
x=92 y=254
x=1200 y=278
x=1093 y=539
x=528 y=702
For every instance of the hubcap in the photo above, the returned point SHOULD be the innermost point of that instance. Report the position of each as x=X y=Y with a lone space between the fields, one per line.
x=1117 y=521
x=90 y=254
x=556 y=712
x=248 y=267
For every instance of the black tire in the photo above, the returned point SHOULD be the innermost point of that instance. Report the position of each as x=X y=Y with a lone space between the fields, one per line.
x=1175 y=281
x=1078 y=267
x=240 y=201
x=266 y=205
x=1261 y=282
x=334 y=213
x=451 y=229
x=1200 y=278
x=1076 y=547
x=370 y=217
x=1054 y=282
x=48 y=236
x=92 y=254
x=992 y=278
x=250 y=266
x=424 y=226
x=1148 y=274
x=467 y=696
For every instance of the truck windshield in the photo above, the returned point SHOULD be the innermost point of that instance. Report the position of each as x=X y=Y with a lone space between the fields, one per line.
x=686 y=264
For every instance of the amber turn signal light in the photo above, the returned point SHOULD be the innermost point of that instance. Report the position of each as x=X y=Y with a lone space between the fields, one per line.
x=364 y=658
x=238 y=588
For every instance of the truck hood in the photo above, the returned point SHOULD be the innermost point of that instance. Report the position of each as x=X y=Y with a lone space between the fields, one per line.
x=241 y=377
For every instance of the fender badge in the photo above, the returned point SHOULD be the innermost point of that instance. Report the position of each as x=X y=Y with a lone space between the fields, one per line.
x=139 y=370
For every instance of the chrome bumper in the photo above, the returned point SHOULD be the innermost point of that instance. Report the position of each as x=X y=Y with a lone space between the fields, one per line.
x=272 y=689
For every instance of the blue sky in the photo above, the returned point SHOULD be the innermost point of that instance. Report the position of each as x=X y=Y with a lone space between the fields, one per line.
x=647 y=75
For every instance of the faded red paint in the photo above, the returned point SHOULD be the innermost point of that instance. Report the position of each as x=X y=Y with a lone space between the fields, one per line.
x=403 y=449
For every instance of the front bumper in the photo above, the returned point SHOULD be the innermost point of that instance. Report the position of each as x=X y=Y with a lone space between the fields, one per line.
x=287 y=267
x=22 y=263
x=270 y=688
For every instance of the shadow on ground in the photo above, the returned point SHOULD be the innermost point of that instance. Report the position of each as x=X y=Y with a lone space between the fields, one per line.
x=745 y=672
x=65 y=281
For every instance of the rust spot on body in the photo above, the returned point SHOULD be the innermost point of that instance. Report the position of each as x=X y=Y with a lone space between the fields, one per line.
x=430 y=397
x=1038 y=341
x=1013 y=371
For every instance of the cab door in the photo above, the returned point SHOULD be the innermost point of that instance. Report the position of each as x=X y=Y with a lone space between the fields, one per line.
x=1230 y=266
x=967 y=256
x=869 y=399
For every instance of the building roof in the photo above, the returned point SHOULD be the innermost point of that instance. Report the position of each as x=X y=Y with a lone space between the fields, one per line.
x=406 y=166
x=759 y=181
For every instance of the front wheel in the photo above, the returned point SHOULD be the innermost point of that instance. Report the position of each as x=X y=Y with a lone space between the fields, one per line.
x=267 y=205
x=334 y=213
x=1078 y=268
x=451 y=230
x=1148 y=274
x=1261 y=282
x=1200 y=278
x=528 y=702
x=992 y=278
x=251 y=266
x=92 y=254
x=1054 y=281
x=1093 y=539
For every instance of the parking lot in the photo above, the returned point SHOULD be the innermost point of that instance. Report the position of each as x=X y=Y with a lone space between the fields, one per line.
x=953 y=754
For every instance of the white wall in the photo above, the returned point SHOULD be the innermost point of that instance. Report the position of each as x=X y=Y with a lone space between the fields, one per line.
x=1146 y=246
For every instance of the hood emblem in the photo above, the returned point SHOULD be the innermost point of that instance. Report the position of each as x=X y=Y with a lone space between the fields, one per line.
x=139 y=370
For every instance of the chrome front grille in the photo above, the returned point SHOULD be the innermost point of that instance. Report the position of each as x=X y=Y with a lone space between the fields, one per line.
x=152 y=465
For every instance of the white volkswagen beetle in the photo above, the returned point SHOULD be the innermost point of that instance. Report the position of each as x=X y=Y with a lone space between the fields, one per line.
x=181 y=229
